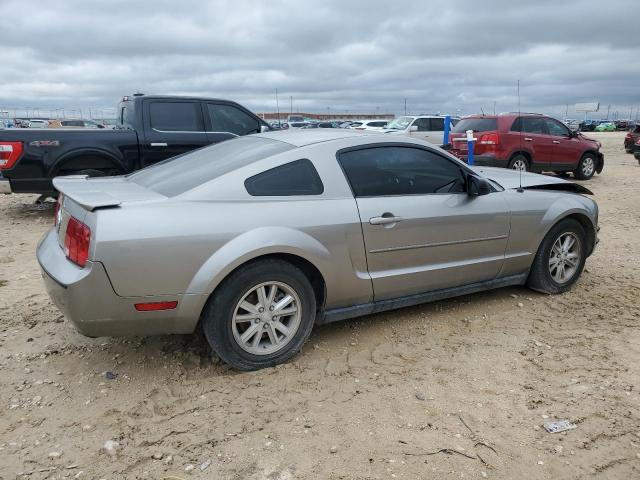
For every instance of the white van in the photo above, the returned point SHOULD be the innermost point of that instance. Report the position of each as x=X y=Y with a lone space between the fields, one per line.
x=425 y=127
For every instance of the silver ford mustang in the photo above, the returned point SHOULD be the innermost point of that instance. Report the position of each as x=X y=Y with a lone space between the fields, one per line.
x=257 y=239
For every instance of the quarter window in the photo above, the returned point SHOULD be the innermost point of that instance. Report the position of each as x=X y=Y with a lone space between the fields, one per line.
x=384 y=171
x=294 y=178
x=227 y=118
x=174 y=116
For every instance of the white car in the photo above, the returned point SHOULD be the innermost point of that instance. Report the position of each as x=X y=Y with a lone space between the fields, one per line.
x=425 y=127
x=37 y=123
x=368 y=125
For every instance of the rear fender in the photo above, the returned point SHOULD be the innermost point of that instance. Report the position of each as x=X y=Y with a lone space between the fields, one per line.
x=255 y=243
x=90 y=158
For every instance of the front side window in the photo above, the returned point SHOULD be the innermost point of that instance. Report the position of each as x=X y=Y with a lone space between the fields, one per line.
x=174 y=116
x=294 y=178
x=437 y=124
x=227 y=118
x=393 y=170
x=556 y=128
x=422 y=124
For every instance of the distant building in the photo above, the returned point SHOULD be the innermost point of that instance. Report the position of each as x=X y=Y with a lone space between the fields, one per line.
x=272 y=116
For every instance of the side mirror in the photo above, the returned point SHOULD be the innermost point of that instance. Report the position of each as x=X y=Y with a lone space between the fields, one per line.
x=413 y=128
x=477 y=186
x=263 y=128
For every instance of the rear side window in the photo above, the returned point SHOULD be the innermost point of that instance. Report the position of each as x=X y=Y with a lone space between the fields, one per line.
x=227 y=118
x=175 y=116
x=437 y=124
x=529 y=125
x=294 y=178
x=391 y=170
x=476 y=124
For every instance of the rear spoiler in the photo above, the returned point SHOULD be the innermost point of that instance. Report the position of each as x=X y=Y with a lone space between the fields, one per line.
x=83 y=193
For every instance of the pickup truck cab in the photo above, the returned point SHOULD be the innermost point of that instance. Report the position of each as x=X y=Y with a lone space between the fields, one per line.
x=149 y=129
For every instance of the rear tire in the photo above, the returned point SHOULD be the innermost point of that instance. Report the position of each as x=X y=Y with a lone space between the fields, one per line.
x=552 y=258
x=519 y=162
x=241 y=321
x=586 y=168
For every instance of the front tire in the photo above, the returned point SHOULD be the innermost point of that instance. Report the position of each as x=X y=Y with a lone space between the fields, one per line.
x=261 y=315
x=586 y=168
x=560 y=258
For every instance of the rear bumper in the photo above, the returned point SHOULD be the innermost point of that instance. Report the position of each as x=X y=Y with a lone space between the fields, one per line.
x=87 y=299
x=5 y=186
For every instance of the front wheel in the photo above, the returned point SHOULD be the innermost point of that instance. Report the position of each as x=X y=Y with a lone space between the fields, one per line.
x=560 y=258
x=261 y=315
x=586 y=167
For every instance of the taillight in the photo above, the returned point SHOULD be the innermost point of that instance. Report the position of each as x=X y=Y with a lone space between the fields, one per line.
x=489 y=139
x=9 y=154
x=76 y=242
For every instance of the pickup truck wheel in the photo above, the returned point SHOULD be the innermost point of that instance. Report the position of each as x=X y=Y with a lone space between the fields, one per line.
x=519 y=162
x=560 y=258
x=586 y=167
x=261 y=315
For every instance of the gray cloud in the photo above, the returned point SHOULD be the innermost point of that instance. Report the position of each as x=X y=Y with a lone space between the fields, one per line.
x=338 y=55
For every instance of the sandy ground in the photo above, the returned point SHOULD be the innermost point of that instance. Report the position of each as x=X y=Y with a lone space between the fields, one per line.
x=454 y=389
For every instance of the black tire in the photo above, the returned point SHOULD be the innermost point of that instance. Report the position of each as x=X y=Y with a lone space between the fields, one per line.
x=519 y=159
x=580 y=172
x=217 y=318
x=540 y=277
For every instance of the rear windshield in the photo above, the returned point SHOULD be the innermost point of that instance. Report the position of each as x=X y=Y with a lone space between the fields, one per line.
x=476 y=124
x=177 y=175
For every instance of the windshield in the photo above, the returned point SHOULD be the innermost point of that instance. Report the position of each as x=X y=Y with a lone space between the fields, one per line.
x=476 y=124
x=177 y=175
x=400 y=123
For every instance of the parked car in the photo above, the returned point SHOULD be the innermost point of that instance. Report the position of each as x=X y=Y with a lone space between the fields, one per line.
x=222 y=238
x=368 y=125
x=630 y=138
x=587 y=126
x=37 y=123
x=528 y=142
x=425 y=127
x=150 y=129
x=622 y=125
x=606 y=127
x=636 y=150
x=328 y=125
x=296 y=125
x=296 y=119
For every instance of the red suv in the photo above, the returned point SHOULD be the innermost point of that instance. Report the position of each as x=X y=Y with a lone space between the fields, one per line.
x=528 y=141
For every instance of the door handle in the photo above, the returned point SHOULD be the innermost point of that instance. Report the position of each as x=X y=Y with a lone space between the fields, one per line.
x=384 y=220
x=556 y=142
x=158 y=144
x=528 y=139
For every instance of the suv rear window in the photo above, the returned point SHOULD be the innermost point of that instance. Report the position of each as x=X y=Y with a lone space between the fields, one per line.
x=476 y=124
x=177 y=175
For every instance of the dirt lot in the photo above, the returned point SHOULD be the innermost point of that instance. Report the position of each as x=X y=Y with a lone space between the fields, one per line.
x=454 y=389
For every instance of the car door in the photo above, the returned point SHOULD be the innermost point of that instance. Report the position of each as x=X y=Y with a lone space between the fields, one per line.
x=422 y=231
x=225 y=121
x=566 y=147
x=171 y=127
x=535 y=138
x=420 y=128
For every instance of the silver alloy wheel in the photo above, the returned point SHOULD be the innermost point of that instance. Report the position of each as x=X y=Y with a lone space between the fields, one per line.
x=266 y=318
x=519 y=164
x=587 y=166
x=564 y=257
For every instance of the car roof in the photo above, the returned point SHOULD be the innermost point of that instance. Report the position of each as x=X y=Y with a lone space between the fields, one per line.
x=301 y=138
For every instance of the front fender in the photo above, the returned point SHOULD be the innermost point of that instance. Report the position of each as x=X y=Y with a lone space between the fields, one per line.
x=256 y=243
x=561 y=208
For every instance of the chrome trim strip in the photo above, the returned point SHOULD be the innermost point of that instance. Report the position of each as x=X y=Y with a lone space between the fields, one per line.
x=437 y=244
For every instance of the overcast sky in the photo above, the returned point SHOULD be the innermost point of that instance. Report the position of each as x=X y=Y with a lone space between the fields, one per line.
x=329 y=55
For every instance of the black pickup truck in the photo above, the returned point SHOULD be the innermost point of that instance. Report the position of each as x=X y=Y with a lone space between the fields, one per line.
x=149 y=129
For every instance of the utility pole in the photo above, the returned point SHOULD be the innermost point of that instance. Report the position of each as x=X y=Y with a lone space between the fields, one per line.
x=566 y=111
x=291 y=106
x=608 y=108
x=494 y=107
x=277 y=106
x=405 y=106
